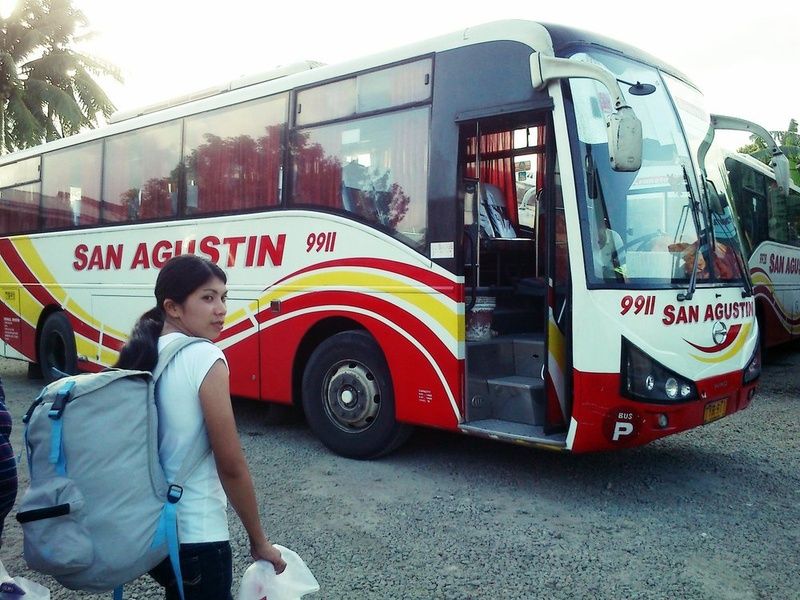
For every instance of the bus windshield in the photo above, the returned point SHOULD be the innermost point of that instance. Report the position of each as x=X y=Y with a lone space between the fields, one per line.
x=646 y=228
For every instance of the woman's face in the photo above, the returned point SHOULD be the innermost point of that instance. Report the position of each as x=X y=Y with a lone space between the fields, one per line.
x=202 y=314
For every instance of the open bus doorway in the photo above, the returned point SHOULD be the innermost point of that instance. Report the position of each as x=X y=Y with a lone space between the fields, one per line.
x=516 y=281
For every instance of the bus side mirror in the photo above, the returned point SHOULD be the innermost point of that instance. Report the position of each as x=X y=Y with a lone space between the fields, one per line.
x=624 y=140
x=780 y=166
x=624 y=129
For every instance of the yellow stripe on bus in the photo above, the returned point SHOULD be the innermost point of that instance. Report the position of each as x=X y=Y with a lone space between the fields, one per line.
x=429 y=305
x=734 y=349
x=85 y=347
x=555 y=344
x=29 y=306
x=108 y=357
x=44 y=278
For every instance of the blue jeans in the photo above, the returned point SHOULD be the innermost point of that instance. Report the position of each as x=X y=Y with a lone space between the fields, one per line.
x=206 y=570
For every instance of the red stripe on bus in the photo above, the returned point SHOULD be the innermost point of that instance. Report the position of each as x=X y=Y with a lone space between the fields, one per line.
x=440 y=284
x=406 y=321
x=112 y=343
x=236 y=329
x=730 y=336
x=42 y=295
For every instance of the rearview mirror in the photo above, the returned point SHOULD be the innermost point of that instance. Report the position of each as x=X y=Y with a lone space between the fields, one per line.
x=624 y=140
x=780 y=166
x=622 y=126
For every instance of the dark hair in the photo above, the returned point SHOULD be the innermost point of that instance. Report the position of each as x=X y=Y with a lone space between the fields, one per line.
x=178 y=278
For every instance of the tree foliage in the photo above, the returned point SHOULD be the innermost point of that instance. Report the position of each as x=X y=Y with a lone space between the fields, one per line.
x=48 y=89
x=789 y=143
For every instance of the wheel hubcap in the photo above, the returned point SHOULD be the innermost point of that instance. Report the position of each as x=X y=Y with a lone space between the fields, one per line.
x=351 y=396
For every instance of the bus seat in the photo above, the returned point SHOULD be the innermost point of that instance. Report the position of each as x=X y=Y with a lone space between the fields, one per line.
x=359 y=202
x=492 y=213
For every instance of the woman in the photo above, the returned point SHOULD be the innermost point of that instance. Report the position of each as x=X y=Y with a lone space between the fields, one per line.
x=194 y=396
x=8 y=464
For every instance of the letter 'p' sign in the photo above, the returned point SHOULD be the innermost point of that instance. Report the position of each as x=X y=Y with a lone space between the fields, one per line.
x=621 y=425
x=621 y=428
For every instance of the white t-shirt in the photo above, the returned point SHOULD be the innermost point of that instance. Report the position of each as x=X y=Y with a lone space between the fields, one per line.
x=202 y=515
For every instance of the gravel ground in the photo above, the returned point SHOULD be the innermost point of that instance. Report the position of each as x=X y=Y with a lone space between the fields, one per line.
x=710 y=514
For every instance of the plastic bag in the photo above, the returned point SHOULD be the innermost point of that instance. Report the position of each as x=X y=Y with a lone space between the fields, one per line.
x=19 y=588
x=260 y=582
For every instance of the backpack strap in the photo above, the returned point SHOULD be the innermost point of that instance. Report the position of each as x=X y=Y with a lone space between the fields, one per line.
x=170 y=350
x=200 y=448
x=57 y=456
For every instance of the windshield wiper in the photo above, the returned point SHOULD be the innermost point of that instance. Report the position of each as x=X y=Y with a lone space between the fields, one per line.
x=702 y=241
x=730 y=233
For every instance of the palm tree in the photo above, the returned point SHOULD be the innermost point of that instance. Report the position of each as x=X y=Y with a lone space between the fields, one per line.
x=789 y=143
x=47 y=89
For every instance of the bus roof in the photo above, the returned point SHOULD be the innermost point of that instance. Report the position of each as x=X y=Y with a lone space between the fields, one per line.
x=536 y=35
x=565 y=39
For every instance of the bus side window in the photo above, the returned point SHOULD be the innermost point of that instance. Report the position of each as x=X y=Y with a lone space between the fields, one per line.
x=793 y=217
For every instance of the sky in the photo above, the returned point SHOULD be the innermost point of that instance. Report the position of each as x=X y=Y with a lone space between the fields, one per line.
x=745 y=60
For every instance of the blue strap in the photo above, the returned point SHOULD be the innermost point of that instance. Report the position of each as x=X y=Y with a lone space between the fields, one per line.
x=57 y=456
x=167 y=531
x=118 y=593
x=55 y=413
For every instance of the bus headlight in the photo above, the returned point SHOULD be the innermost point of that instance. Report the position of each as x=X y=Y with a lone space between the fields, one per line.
x=753 y=368
x=645 y=379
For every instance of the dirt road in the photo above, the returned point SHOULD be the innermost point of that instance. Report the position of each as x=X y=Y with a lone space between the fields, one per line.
x=709 y=514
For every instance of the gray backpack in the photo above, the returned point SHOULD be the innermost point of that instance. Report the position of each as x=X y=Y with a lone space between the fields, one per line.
x=99 y=511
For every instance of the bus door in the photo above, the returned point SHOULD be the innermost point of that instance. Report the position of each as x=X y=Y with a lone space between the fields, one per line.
x=515 y=244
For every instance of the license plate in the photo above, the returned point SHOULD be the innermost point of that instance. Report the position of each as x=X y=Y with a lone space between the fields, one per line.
x=715 y=410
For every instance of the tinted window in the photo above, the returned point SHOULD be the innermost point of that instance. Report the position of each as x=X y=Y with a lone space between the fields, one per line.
x=395 y=86
x=233 y=157
x=19 y=199
x=141 y=174
x=23 y=171
x=327 y=102
x=374 y=168
x=387 y=88
x=71 y=186
x=19 y=209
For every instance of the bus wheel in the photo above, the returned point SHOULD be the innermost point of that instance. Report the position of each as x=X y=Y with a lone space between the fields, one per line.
x=57 y=355
x=348 y=397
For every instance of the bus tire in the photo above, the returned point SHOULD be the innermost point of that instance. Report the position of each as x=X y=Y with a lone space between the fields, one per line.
x=348 y=397
x=57 y=354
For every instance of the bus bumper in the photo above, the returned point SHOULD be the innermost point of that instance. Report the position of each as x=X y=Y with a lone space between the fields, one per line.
x=603 y=419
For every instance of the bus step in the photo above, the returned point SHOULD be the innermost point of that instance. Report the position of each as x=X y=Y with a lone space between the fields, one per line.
x=517 y=398
x=518 y=433
x=520 y=354
x=528 y=355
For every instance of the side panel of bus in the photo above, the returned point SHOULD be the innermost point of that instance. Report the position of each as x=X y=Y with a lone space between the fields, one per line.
x=775 y=272
x=281 y=289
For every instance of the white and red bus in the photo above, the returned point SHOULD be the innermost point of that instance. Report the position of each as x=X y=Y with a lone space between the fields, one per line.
x=760 y=205
x=498 y=232
x=768 y=218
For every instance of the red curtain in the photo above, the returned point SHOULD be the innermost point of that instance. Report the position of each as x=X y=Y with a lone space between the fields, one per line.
x=318 y=178
x=236 y=173
x=495 y=168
